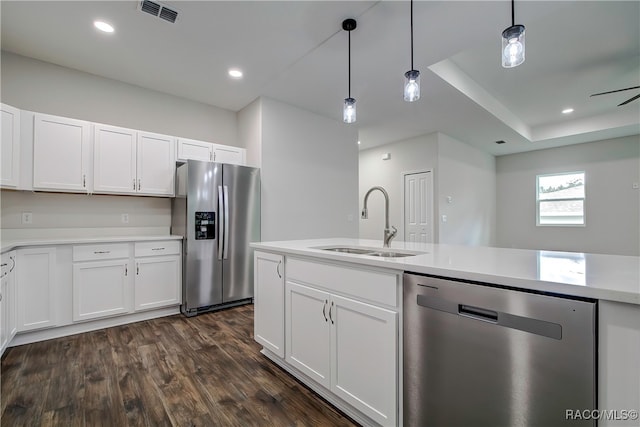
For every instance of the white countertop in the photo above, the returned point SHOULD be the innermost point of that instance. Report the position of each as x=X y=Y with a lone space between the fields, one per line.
x=7 y=245
x=605 y=277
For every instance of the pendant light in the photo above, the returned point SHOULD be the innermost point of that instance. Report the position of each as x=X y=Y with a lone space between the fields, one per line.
x=513 y=43
x=349 y=109
x=412 y=77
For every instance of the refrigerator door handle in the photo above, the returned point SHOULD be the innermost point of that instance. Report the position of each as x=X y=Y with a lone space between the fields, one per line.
x=221 y=221
x=226 y=222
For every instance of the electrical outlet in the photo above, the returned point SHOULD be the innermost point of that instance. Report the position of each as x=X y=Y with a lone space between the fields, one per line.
x=125 y=218
x=27 y=218
x=444 y=218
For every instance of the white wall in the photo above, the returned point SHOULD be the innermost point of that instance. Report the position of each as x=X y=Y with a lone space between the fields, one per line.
x=468 y=176
x=414 y=154
x=80 y=211
x=250 y=132
x=460 y=171
x=309 y=174
x=43 y=87
x=612 y=206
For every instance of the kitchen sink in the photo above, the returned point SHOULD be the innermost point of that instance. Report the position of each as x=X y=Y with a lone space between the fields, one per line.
x=370 y=252
x=390 y=254
x=357 y=251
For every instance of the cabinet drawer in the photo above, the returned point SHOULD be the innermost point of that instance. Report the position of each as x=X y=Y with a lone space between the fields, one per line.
x=101 y=251
x=372 y=285
x=170 y=247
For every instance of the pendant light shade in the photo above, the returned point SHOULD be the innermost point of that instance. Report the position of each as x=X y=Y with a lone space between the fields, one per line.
x=349 y=110
x=412 y=77
x=513 y=43
x=349 y=107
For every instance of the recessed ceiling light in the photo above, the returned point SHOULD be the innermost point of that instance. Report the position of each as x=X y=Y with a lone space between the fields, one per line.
x=567 y=111
x=103 y=26
x=358 y=142
x=235 y=73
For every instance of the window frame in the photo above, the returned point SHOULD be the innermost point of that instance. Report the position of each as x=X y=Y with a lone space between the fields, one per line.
x=567 y=199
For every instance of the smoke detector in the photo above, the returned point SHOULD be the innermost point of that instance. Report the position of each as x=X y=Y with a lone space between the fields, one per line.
x=159 y=10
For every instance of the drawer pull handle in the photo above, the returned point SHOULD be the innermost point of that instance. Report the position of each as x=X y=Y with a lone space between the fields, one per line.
x=126 y=269
x=134 y=183
x=331 y=308
x=101 y=252
x=157 y=249
x=137 y=269
x=324 y=307
x=4 y=264
x=278 y=269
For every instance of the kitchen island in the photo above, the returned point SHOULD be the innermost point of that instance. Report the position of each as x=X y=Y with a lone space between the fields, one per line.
x=313 y=300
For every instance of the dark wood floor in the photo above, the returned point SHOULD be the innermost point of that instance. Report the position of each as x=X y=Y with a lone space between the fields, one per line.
x=200 y=371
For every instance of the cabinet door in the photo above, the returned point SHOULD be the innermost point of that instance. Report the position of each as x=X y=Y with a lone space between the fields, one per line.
x=37 y=288
x=227 y=154
x=60 y=154
x=10 y=153
x=268 y=282
x=114 y=160
x=100 y=289
x=158 y=282
x=364 y=359
x=12 y=297
x=156 y=164
x=190 y=149
x=4 y=302
x=308 y=331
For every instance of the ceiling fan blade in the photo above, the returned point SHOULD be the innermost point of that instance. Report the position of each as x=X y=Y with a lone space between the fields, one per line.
x=629 y=100
x=614 y=91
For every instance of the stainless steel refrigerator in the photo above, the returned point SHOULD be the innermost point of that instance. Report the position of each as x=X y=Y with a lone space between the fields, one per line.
x=217 y=210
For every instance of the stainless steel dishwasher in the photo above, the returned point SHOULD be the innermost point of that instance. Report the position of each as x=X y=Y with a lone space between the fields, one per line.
x=483 y=355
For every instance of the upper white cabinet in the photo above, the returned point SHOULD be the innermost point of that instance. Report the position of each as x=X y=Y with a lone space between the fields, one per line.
x=61 y=154
x=190 y=149
x=10 y=153
x=131 y=162
x=228 y=154
x=268 y=278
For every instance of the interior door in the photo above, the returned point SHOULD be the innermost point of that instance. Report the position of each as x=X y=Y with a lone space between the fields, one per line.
x=418 y=211
x=241 y=187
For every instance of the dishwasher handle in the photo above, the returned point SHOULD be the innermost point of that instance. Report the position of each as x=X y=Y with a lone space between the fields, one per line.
x=478 y=313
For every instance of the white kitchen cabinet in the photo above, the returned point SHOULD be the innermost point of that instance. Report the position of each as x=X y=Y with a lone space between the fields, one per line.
x=347 y=346
x=36 y=288
x=102 y=281
x=158 y=279
x=268 y=294
x=114 y=160
x=228 y=154
x=10 y=150
x=191 y=149
x=8 y=313
x=132 y=162
x=61 y=154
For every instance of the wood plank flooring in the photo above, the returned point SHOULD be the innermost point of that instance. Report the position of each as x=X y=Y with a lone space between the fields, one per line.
x=174 y=371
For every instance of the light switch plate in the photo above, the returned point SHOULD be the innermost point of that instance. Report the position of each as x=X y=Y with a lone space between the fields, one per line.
x=125 y=218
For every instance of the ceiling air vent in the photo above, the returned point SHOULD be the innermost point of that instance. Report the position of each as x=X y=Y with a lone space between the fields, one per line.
x=159 y=10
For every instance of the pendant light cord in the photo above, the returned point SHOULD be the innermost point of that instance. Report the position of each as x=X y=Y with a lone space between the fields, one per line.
x=349 y=32
x=412 y=34
x=513 y=13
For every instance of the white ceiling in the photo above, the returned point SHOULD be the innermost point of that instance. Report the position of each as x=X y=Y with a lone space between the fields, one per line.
x=296 y=52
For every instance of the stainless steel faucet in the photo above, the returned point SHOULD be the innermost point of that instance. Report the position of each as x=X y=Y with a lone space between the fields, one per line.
x=388 y=234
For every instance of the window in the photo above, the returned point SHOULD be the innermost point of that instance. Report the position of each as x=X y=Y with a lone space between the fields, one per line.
x=560 y=199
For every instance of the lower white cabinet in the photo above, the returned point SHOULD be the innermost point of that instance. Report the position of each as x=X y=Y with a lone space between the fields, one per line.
x=101 y=281
x=348 y=346
x=8 y=319
x=100 y=289
x=36 y=288
x=157 y=282
x=268 y=294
